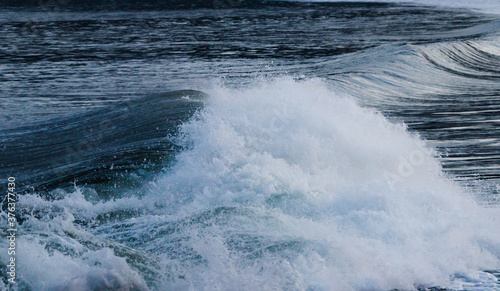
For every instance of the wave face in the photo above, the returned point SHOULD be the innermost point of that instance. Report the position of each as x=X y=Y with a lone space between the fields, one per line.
x=294 y=146
x=126 y=137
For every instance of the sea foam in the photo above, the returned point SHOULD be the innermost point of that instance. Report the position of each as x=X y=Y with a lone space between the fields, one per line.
x=335 y=196
x=283 y=184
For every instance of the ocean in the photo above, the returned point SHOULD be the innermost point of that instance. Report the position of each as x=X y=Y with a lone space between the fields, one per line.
x=250 y=145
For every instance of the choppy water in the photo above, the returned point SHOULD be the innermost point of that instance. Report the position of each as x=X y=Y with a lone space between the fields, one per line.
x=247 y=145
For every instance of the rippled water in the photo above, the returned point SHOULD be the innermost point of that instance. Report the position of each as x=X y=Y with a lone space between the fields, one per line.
x=267 y=145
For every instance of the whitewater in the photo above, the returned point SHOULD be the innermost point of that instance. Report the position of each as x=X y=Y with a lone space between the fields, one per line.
x=165 y=150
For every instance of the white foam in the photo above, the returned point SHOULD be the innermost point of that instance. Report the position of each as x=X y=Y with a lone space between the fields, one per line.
x=49 y=255
x=367 y=198
x=93 y=270
x=284 y=185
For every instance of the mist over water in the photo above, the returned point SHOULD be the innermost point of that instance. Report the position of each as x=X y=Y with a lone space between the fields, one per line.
x=259 y=146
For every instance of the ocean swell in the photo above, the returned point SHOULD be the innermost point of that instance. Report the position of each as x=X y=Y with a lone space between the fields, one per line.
x=282 y=184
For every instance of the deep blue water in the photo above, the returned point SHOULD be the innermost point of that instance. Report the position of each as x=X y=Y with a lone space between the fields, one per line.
x=247 y=145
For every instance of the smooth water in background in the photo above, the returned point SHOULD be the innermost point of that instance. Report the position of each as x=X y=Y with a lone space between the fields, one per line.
x=246 y=145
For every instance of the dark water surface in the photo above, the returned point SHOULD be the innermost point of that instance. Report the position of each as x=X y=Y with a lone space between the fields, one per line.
x=92 y=97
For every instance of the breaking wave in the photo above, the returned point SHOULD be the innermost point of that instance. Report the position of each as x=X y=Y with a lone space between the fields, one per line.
x=283 y=184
